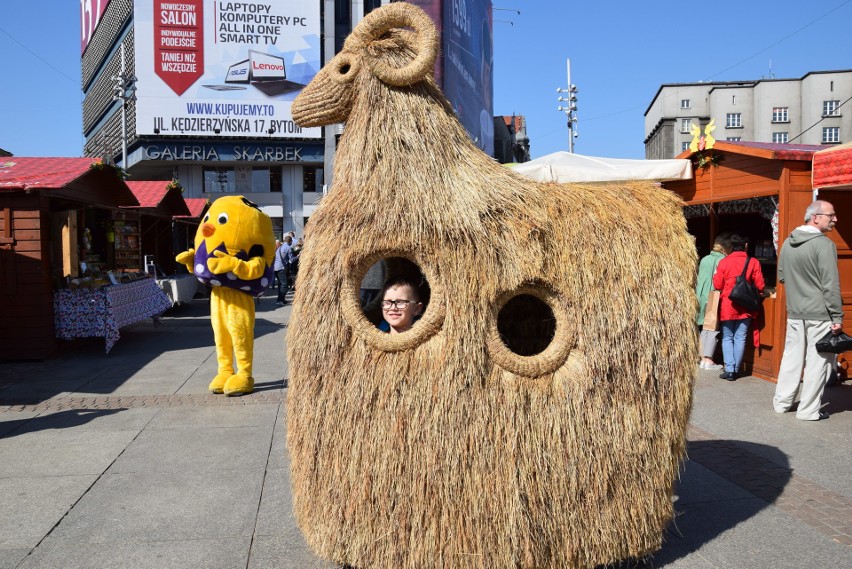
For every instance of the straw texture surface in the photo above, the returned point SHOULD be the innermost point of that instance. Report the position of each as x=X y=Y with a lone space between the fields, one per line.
x=453 y=445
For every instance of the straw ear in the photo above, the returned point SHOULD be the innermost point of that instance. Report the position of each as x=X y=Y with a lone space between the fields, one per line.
x=425 y=42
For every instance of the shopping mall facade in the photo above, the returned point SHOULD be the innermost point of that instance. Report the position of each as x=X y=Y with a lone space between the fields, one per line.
x=199 y=91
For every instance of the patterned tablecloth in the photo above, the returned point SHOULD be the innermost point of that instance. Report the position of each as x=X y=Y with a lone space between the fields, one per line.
x=86 y=313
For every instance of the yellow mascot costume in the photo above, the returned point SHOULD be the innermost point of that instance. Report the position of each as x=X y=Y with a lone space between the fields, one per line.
x=234 y=250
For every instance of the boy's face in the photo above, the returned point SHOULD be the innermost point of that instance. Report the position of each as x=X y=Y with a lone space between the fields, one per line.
x=399 y=318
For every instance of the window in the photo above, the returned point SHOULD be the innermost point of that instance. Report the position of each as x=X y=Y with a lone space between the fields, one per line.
x=684 y=104
x=342 y=22
x=684 y=146
x=684 y=125
x=779 y=114
x=831 y=134
x=779 y=137
x=734 y=120
x=829 y=108
x=313 y=179
x=733 y=99
x=275 y=179
x=242 y=180
x=220 y=180
x=734 y=138
x=252 y=180
x=370 y=5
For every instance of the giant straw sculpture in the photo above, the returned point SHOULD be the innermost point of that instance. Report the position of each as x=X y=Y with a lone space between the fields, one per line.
x=535 y=415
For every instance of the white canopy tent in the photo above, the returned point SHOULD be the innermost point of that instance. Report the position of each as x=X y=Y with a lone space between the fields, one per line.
x=563 y=167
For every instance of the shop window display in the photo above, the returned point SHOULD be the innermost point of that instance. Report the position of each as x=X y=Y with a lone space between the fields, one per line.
x=126 y=234
x=756 y=219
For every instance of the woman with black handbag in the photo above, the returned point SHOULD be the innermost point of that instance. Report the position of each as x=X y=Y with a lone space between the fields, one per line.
x=736 y=318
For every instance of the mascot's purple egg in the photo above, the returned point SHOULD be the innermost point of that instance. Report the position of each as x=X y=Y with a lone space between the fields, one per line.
x=254 y=287
x=239 y=230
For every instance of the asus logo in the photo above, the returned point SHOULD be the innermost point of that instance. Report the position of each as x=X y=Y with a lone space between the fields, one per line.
x=238 y=72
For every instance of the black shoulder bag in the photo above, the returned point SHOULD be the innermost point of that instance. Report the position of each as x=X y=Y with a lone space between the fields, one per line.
x=744 y=294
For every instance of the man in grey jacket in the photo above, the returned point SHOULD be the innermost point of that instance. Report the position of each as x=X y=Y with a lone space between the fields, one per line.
x=807 y=266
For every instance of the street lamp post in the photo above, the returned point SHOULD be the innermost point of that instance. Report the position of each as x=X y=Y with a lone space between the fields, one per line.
x=570 y=108
x=124 y=90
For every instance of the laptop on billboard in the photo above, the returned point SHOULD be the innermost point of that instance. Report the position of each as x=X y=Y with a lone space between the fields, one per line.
x=261 y=70
x=237 y=73
x=267 y=73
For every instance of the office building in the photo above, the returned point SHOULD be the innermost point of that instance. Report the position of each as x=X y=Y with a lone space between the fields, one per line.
x=199 y=91
x=814 y=109
x=511 y=143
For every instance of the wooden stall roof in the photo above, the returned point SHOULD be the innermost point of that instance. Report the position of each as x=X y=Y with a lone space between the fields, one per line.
x=196 y=207
x=70 y=178
x=768 y=150
x=157 y=198
x=742 y=170
x=832 y=169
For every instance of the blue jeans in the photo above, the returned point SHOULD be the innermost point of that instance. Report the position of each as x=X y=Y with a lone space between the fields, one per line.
x=283 y=285
x=734 y=334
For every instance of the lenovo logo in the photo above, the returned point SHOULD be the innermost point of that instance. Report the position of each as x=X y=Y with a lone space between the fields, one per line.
x=267 y=66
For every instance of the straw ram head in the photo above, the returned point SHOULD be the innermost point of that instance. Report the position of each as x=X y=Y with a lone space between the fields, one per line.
x=328 y=99
x=535 y=415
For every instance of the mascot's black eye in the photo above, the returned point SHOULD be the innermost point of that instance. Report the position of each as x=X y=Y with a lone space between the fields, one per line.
x=223 y=218
x=206 y=218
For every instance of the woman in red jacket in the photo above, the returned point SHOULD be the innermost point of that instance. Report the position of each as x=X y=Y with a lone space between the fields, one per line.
x=735 y=320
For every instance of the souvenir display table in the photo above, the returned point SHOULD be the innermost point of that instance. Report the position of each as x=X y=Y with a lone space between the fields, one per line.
x=179 y=288
x=86 y=313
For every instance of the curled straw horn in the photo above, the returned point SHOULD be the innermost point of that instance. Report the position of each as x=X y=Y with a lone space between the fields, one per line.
x=376 y=24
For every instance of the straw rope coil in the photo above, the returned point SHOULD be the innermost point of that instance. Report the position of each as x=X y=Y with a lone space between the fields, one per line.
x=535 y=415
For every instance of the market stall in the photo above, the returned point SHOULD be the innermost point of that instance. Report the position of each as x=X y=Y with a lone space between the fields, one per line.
x=564 y=167
x=184 y=227
x=832 y=181
x=159 y=202
x=50 y=214
x=102 y=311
x=182 y=286
x=760 y=190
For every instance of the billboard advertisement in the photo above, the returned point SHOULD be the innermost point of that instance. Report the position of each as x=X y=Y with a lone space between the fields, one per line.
x=224 y=69
x=434 y=9
x=467 y=77
x=90 y=16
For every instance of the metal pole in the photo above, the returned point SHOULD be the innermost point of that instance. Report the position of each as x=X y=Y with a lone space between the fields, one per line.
x=570 y=122
x=570 y=107
x=124 y=134
x=123 y=114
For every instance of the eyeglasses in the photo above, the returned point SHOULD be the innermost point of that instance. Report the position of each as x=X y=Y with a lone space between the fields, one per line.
x=398 y=304
x=827 y=214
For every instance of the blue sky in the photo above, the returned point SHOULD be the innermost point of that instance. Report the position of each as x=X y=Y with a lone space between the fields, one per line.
x=621 y=52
